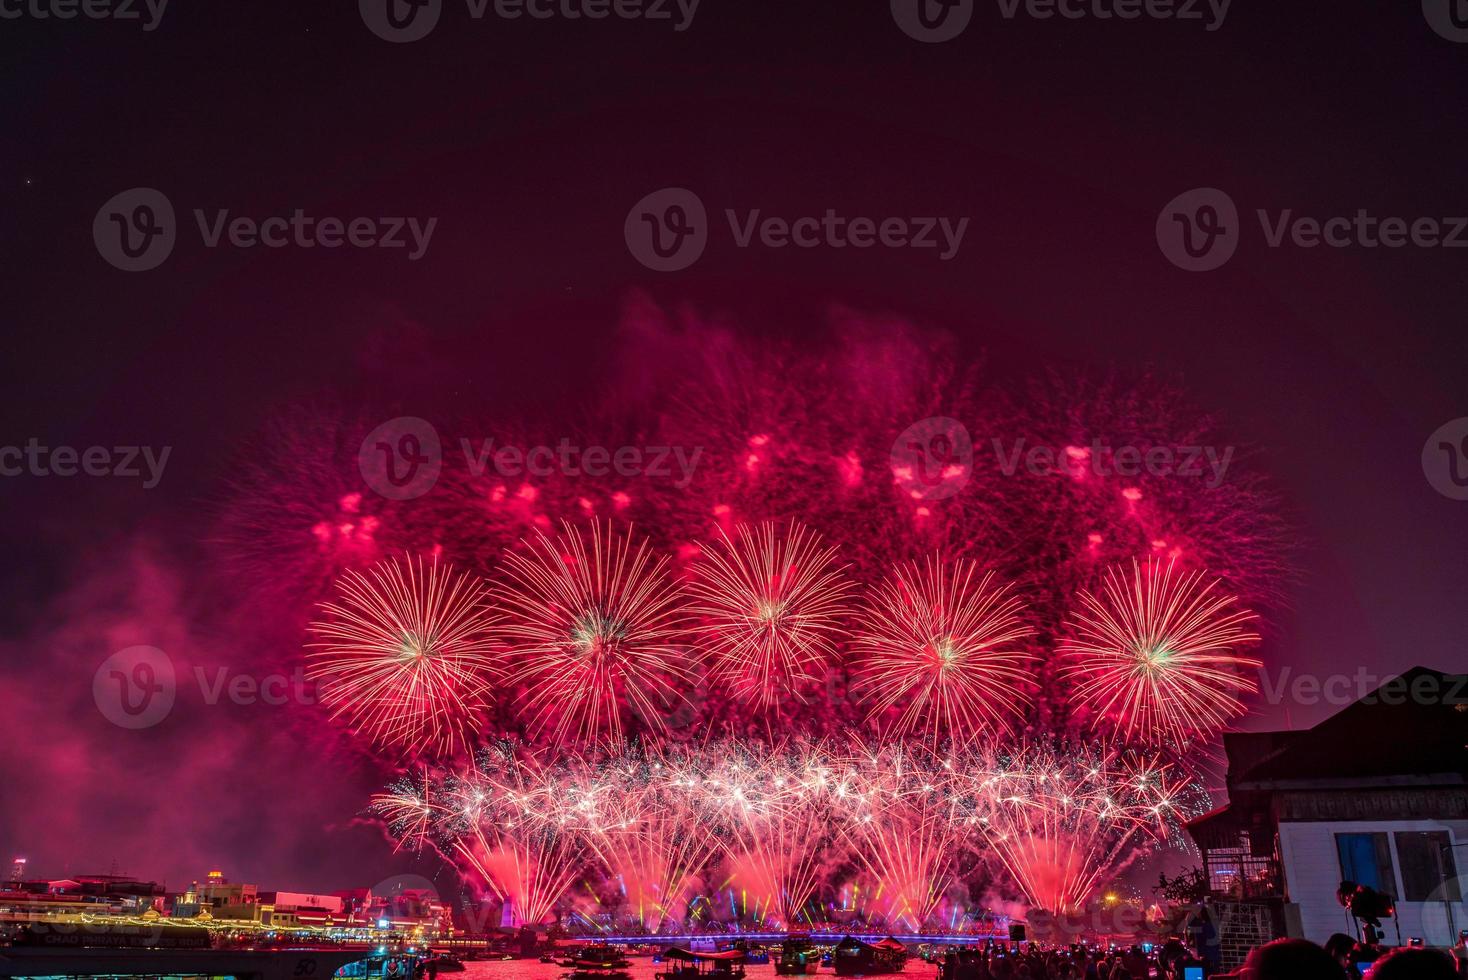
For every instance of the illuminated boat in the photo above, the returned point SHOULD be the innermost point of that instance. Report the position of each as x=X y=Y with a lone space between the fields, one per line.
x=442 y=963
x=798 y=957
x=590 y=962
x=688 y=965
x=854 y=958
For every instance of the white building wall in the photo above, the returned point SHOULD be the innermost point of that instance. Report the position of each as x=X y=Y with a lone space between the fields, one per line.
x=1312 y=870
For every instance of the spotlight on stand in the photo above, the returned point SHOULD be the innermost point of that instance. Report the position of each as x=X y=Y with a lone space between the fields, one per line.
x=1368 y=906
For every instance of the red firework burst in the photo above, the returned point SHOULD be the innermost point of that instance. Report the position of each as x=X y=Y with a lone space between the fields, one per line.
x=941 y=642
x=590 y=624
x=772 y=606
x=1155 y=652
x=406 y=655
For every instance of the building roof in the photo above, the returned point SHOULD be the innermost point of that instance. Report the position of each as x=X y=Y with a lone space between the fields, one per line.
x=1413 y=729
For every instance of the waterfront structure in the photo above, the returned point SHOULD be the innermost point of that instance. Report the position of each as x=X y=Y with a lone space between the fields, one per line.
x=1376 y=795
x=117 y=895
x=224 y=906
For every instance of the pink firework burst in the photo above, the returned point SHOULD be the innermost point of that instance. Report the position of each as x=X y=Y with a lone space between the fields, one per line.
x=1155 y=652
x=592 y=621
x=406 y=656
x=772 y=604
x=940 y=643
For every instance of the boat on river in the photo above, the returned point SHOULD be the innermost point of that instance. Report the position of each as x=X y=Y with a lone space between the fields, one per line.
x=798 y=957
x=597 y=961
x=854 y=957
x=685 y=964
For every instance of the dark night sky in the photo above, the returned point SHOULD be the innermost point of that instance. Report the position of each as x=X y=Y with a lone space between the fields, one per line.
x=531 y=140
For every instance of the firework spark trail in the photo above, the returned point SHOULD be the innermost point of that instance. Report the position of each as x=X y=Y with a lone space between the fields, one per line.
x=406 y=655
x=643 y=825
x=1060 y=818
x=783 y=820
x=410 y=812
x=589 y=625
x=508 y=825
x=772 y=605
x=904 y=825
x=1154 y=653
x=776 y=812
x=941 y=642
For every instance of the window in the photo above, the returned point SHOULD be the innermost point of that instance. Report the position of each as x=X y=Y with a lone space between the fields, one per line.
x=1366 y=859
x=1428 y=872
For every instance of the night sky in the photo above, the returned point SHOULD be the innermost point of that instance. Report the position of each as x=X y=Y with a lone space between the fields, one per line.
x=529 y=140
